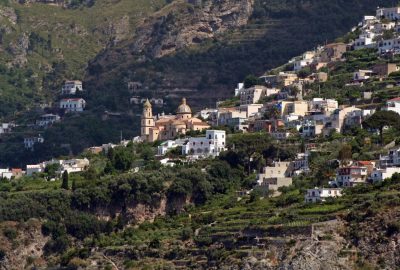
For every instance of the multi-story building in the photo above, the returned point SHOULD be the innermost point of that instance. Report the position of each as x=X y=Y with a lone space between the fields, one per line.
x=305 y=60
x=388 y=45
x=210 y=145
x=310 y=129
x=166 y=146
x=73 y=104
x=274 y=177
x=301 y=163
x=298 y=107
x=365 y=40
x=71 y=87
x=350 y=176
x=392 y=159
x=378 y=175
x=47 y=119
x=253 y=94
x=31 y=141
x=392 y=13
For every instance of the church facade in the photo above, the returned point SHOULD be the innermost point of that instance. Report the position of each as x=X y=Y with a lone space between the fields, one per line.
x=167 y=127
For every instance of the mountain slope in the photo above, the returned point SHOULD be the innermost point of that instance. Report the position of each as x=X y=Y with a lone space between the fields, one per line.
x=41 y=45
x=209 y=68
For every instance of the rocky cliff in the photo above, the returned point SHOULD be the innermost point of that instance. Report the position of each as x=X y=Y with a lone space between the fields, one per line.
x=182 y=25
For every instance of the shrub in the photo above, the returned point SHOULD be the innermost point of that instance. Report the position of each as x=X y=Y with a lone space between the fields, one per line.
x=10 y=233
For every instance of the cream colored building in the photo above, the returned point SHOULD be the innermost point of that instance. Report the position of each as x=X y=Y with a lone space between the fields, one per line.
x=255 y=93
x=299 y=107
x=274 y=177
x=169 y=126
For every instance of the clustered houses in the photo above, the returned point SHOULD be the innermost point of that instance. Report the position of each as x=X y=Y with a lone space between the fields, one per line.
x=380 y=32
x=71 y=166
x=363 y=172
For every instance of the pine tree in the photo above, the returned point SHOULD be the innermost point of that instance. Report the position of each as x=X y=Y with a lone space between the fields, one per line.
x=64 y=184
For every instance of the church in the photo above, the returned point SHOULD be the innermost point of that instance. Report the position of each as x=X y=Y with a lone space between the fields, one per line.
x=167 y=127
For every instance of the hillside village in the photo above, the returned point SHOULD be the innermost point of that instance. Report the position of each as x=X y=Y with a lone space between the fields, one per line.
x=282 y=103
x=269 y=177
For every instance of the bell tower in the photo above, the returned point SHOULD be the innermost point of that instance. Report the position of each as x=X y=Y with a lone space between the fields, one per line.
x=147 y=120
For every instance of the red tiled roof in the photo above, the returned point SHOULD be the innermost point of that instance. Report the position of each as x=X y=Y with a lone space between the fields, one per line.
x=365 y=162
x=395 y=99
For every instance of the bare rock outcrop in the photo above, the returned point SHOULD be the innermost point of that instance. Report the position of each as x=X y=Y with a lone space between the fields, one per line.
x=23 y=249
x=181 y=25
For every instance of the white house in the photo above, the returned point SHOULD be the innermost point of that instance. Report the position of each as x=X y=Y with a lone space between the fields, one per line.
x=73 y=165
x=321 y=194
x=71 y=87
x=47 y=119
x=365 y=40
x=164 y=147
x=362 y=75
x=380 y=27
x=389 y=45
x=6 y=127
x=31 y=141
x=393 y=105
x=301 y=163
x=305 y=60
x=252 y=94
x=73 y=104
x=310 y=129
x=208 y=114
x=390 y=160
x=325 y=105
x=36 y=168
x=210 y=145
x=382 y=174
x=392 y=13
x=6 y=173
x=350 y=176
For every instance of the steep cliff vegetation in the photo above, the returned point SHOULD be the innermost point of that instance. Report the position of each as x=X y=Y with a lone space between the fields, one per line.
x=189 y=216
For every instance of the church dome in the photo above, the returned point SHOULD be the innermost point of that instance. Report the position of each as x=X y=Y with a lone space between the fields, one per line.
x=183 y=108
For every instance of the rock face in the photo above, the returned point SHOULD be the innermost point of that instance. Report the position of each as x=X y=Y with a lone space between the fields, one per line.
x=181 y=25
x=25 y=248
x=19 y=50
x=378 y=239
